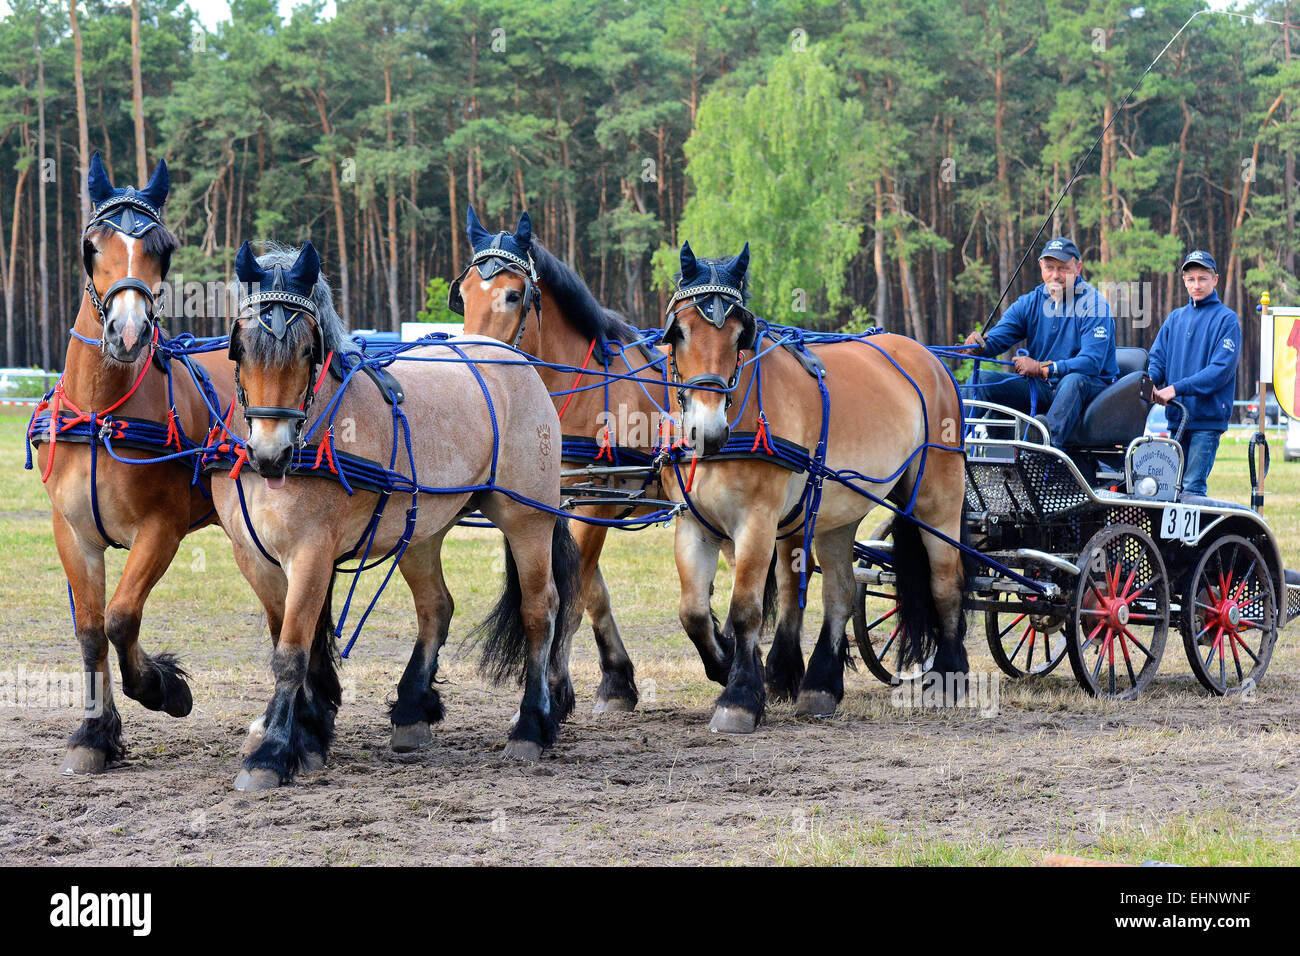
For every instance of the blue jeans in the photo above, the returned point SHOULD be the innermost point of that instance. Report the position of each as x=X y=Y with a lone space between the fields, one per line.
x=1199 y=449
x=1061 y=405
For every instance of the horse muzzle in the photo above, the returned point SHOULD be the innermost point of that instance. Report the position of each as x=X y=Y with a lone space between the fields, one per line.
x=125 y=337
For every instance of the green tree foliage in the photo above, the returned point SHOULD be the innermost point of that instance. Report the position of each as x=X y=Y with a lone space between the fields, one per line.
x=782 y=164
x=893 y=161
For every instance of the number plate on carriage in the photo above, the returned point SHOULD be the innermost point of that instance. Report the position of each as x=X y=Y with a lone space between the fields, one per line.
x=1183 y=524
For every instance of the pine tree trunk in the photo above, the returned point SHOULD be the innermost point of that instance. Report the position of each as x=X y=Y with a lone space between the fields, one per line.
x=137 y=99
x=83 y=131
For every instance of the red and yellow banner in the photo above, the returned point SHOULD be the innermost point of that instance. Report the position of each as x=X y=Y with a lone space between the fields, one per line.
x=1286 y=348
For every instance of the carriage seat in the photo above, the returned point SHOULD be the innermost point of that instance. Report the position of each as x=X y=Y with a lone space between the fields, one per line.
x=1119 y=413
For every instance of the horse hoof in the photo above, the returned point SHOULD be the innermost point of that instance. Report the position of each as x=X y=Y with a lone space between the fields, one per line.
x=259 y=779
x=732 y=720
x=83 y=760
x=411 y=737
x=613 y=705
x=815 y=703
x=312 y=762
x=180 y=702
x=525 y=751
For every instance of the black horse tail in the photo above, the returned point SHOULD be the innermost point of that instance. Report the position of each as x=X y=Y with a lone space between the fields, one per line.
x=505 y=644
x=918 y=616
x=770 y=605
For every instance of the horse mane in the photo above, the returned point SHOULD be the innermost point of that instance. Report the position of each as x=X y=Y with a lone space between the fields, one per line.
x=280 y=352
x=576 y=301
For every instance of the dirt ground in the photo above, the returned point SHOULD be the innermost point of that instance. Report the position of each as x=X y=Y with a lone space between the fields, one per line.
x=1050 y=771
x=1175 y=776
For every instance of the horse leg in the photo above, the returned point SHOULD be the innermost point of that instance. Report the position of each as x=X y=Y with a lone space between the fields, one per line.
x=538 y=609
x=823 y=685
x=617 y=691
x=300 y=718
x=158 y=683
x=270 y=586
x=784 y=669
x=947 y=583
x=418 y=703
x=696 y=552
x=740 y=706
x=99 y=738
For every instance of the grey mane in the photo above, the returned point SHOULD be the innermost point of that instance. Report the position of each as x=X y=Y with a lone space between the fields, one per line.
x=277 y=352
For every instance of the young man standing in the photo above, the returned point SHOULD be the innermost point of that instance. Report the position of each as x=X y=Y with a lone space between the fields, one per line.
x=1194 y=360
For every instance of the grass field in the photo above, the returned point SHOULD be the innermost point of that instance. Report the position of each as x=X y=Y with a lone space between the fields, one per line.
x=1175 y=776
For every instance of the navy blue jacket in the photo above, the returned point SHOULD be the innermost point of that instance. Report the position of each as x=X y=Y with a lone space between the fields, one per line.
x=1196 y=352
x=1077 y=335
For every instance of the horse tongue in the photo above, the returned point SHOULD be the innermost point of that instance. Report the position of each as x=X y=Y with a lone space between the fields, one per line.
x=274 y=483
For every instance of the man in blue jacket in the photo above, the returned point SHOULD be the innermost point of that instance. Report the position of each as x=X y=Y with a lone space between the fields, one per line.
x=1194 y=360
x=1070 y=337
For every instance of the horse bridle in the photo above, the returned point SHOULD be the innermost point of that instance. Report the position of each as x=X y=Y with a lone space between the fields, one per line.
x=489 y=262
x=272 y=305
x=715 y=302
x=130 y=207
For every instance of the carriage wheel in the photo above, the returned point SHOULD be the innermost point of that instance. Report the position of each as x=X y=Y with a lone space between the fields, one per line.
x=876 y=631
x=1025 y=644
x=1230 y=608
x=1117 y=628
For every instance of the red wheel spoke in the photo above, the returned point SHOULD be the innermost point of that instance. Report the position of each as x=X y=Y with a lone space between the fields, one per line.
x=1246 y=647
x=1236 y=660
x=1003 y=632
x=1128 y=663
x=1142 y=590
x=1101 y=654
x=1100 y=625
x=1140 y=646
x=1129 y=583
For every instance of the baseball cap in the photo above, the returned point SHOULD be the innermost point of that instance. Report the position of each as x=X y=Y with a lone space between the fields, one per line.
x=1199 y=257
x=1060 y=248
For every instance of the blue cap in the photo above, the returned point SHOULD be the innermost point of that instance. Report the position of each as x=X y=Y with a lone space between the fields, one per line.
x=1200 y=257
x=1060 y=248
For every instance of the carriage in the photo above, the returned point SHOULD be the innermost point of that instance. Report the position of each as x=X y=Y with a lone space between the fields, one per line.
x=1092 y=555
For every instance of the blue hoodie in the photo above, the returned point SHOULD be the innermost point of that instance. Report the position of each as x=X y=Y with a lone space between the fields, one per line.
x=1196 y=351
x=1078 y=335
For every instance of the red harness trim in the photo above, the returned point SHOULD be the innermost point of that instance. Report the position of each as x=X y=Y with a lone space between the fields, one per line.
x=60 y=400
x=326 y=451
x=578 y=378
x=760 y=436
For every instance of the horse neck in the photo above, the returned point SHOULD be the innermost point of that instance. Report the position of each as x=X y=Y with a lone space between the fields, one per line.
x=555 y=339
x=90 y=381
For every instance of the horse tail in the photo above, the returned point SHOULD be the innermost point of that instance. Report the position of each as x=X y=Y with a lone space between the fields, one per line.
x=324 y=658
x=505 y=642
x=918 y=616
x=770 y=604
x=566 y=569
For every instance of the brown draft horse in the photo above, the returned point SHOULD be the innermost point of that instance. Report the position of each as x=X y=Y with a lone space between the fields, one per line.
x=515 y=290
x=145 y=508
x=876 y=423
x=290 y=525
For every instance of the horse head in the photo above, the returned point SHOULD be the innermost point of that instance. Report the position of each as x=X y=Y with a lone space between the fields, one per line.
x=499 y=286
x=277 y=342
x=126 y=251
x=707 y=327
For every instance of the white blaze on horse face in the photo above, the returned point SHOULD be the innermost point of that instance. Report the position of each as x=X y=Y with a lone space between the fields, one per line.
x=128 y=313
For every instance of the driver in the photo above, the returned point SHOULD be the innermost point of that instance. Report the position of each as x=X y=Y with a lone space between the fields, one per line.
x=1070 y=337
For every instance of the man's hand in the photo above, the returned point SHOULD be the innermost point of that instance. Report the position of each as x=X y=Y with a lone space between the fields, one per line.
x=975 y=340
x=1164 y=395
x=1030 y=368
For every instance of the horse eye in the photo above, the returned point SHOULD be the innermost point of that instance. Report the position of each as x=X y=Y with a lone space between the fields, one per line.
x=512 y=296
